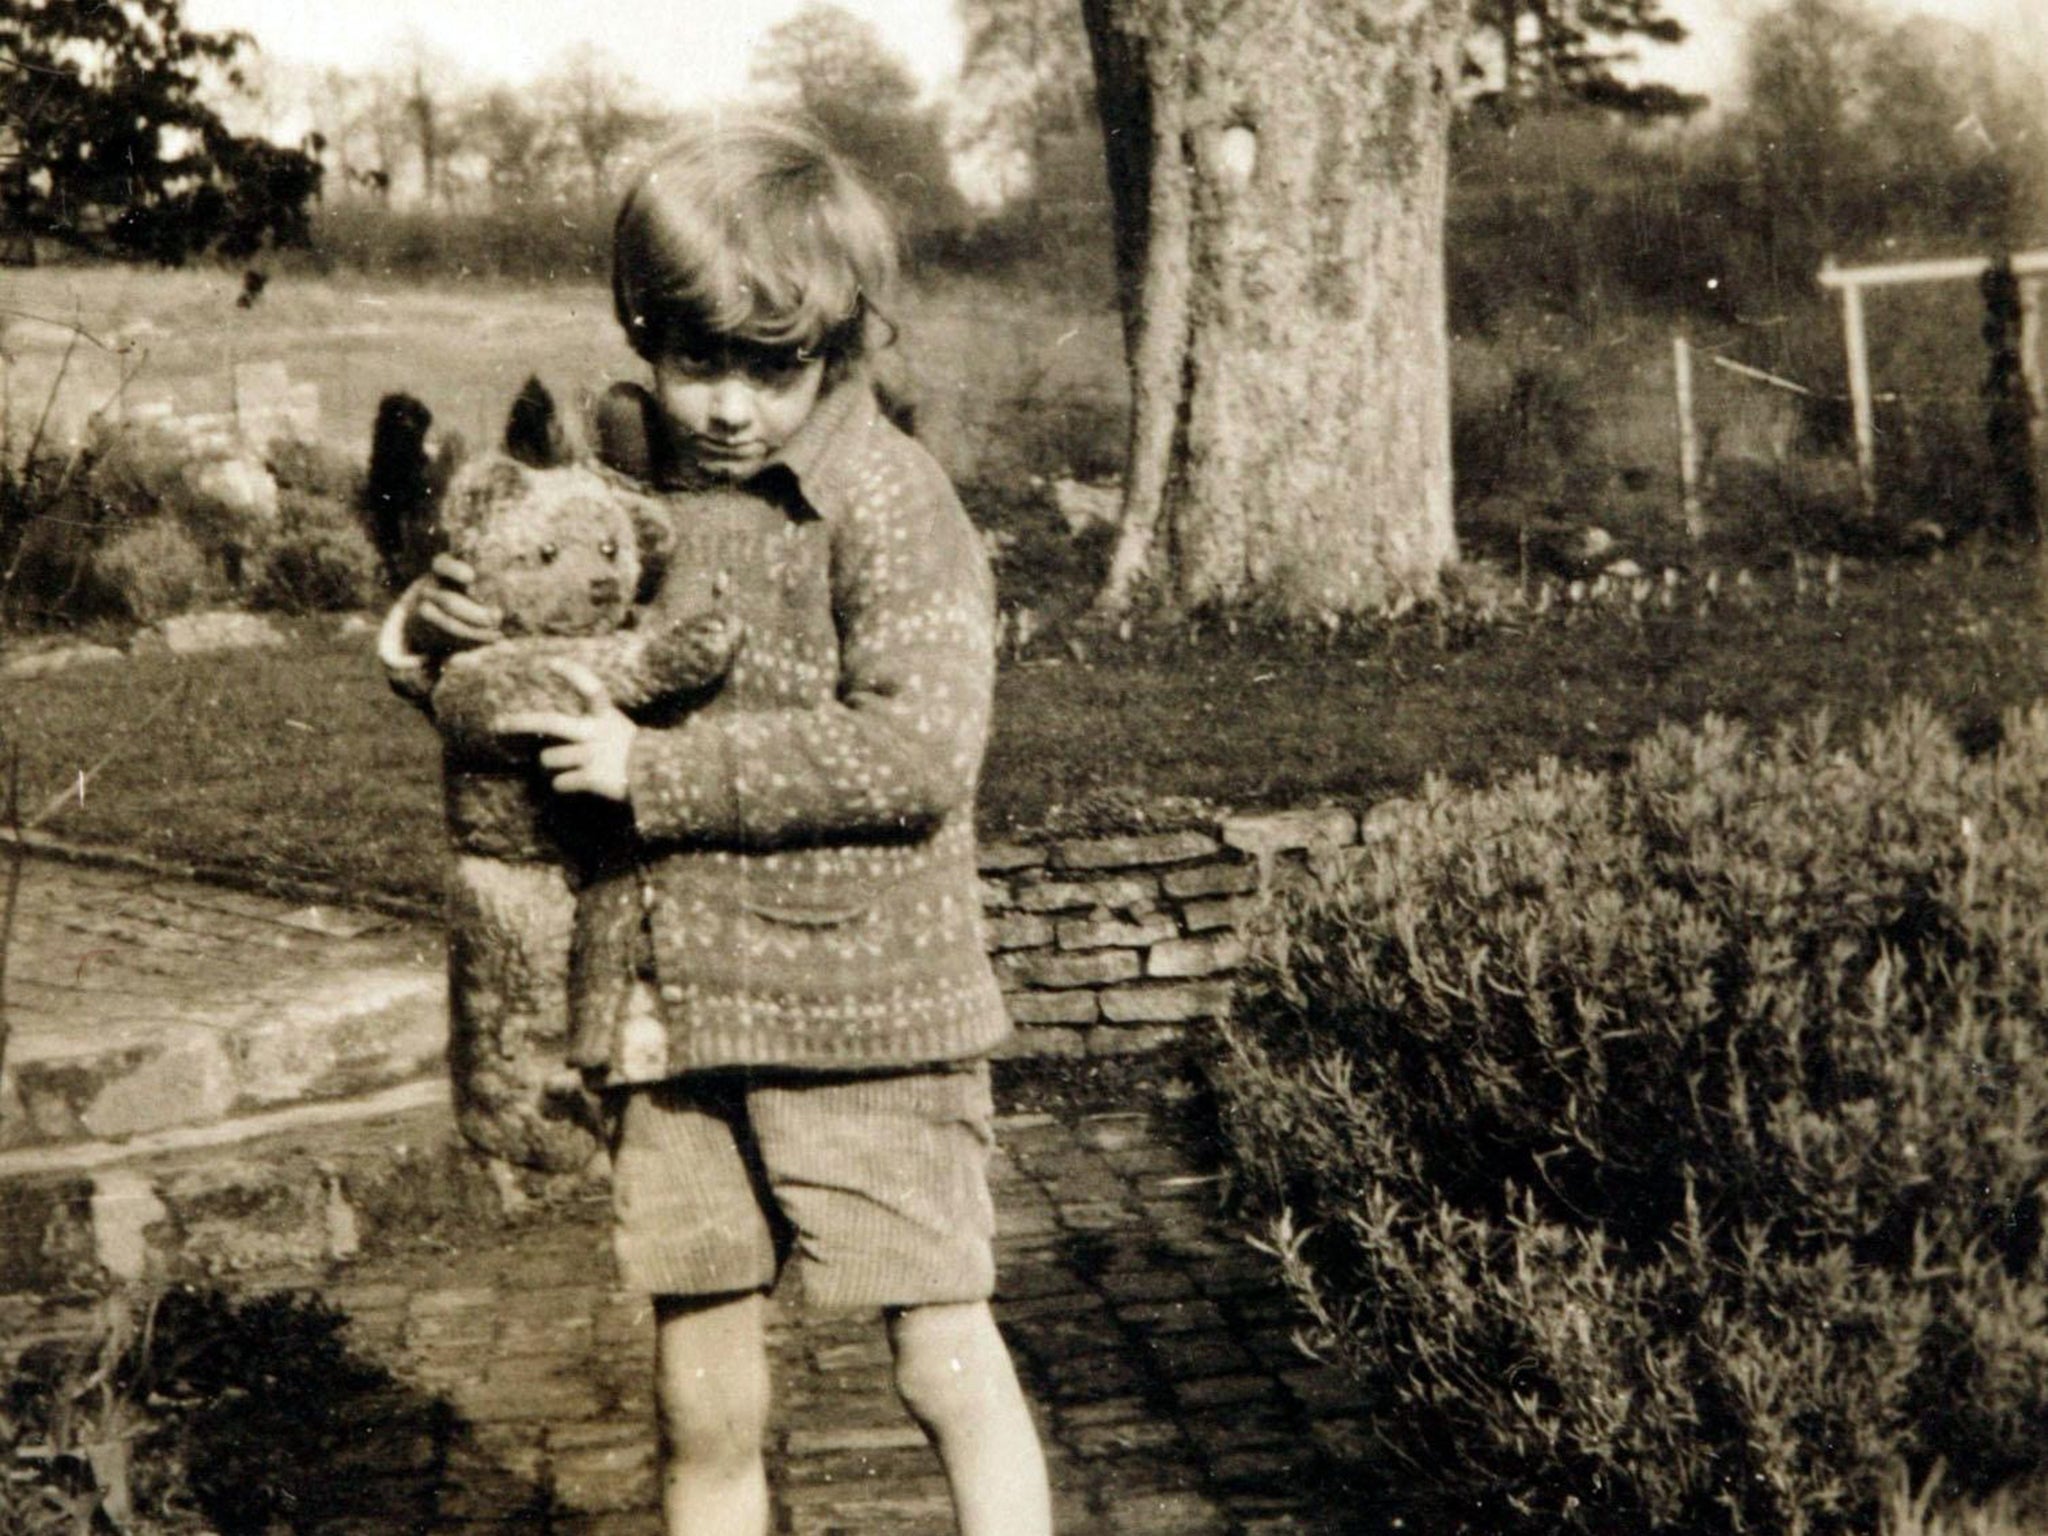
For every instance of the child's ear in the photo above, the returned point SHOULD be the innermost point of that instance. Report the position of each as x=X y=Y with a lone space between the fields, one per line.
x=534 y=433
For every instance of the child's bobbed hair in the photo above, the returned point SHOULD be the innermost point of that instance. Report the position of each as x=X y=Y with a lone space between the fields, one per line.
x=746 y=227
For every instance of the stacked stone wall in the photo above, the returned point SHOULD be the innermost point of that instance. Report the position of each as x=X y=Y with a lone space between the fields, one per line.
x=1108 y=945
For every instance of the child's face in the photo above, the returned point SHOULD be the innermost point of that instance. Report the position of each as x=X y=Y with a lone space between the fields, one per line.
x=732 y=404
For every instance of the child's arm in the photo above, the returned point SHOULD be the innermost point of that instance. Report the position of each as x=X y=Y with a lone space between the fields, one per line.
x=900 y=746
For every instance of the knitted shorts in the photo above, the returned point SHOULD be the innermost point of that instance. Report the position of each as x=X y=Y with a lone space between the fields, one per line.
x=875 y=1183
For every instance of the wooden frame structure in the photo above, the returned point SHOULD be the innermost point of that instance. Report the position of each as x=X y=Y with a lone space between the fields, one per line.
x=2029 y=267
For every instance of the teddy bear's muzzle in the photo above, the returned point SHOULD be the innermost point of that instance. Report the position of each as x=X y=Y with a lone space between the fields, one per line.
x=605 y=591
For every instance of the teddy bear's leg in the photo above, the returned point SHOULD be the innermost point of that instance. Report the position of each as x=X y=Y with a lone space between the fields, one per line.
x=516 y=1097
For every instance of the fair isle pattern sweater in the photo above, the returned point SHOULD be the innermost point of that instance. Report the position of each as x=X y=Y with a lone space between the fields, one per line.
x=806 y=892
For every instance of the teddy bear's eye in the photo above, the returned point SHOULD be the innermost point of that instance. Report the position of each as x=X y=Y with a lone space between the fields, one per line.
x=548 y=553
x=609 y=549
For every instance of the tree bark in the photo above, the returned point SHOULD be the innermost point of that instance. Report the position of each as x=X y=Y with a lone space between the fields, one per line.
x=1277 y=169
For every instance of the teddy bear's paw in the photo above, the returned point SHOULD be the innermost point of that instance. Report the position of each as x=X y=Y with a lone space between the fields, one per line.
x=697 y=650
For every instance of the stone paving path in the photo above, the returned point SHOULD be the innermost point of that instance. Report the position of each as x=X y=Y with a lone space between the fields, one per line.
x=140 y=1002
x=1154 y=1345
x=1153 y=1342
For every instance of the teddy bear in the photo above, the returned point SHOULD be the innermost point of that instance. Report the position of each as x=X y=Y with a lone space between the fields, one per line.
x=569 y=553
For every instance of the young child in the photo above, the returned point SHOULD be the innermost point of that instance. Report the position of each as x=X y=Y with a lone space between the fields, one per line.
x=785 y=998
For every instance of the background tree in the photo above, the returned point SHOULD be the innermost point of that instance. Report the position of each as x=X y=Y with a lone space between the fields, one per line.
x=107 y=144
x=1025 y=120
x=363 y=124
x=516 y=143
x=599 y=113
x=1546 y=54
x=1278 y=174
x=1026 y=88
x=425 y=97
x=834 y=67
x=1857 y=134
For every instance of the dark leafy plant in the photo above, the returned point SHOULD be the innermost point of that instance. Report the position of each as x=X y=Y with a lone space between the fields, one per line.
x=319 y=561
x=1664 y=1151
x=195 y=1410
x=115 y=149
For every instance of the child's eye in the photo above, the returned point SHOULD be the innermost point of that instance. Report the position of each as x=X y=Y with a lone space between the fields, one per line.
x=693 y=356
x=774 y=367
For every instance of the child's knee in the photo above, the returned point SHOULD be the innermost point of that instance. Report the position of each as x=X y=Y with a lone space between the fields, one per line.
x=711 y=1396
x=945 y=1357
x=708 y=1421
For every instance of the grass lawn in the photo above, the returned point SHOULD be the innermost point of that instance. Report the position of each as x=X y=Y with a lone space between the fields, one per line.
x=297 y=764
x=977 y=352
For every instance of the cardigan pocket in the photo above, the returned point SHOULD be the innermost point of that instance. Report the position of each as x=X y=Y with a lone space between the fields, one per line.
x=809 y=915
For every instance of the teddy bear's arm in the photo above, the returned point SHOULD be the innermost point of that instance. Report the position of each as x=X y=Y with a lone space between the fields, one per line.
x=670 y=658
x=662 y=664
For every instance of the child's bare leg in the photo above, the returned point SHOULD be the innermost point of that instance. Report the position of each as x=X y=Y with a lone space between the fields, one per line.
x=955 y=1375
x=711 y=1394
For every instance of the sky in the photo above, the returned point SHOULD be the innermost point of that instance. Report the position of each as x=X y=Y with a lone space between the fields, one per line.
x=691 y=51
x=1709 y=59
x=684 y=51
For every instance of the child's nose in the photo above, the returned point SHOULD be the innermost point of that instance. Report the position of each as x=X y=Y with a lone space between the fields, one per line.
x=732 y=404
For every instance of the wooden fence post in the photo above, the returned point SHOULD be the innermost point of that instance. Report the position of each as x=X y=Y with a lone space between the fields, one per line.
x=1688 y=438
x=1861 y=409
x=2034 y=373
x=1853 y=280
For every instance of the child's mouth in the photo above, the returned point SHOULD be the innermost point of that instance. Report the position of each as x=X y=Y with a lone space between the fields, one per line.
x=716 y=450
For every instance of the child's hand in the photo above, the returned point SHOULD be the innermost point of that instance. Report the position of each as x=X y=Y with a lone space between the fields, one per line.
x=592 y=749
x=443 y=617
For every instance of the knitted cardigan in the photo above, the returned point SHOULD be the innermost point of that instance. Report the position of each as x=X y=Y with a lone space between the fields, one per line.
x=806 y=892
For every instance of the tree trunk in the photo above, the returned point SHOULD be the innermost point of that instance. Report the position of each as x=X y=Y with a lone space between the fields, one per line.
x=1278 y=175
x=1510 y=55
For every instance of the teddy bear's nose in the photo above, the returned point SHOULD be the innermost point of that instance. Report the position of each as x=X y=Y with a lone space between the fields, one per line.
x=604 y=589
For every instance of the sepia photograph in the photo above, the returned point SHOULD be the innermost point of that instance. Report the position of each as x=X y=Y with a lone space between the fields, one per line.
x=1363 y=684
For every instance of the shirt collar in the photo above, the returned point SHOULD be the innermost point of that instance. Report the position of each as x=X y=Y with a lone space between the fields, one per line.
x=820 y=455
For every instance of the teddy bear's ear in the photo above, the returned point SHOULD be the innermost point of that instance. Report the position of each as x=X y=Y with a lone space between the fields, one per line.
x=534 y=433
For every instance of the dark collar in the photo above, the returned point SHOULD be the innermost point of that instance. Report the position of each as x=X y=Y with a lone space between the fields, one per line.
x=820 y=457
x=813 y=470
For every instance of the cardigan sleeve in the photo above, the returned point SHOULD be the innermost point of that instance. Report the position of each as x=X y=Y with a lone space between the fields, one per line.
x=900 y=746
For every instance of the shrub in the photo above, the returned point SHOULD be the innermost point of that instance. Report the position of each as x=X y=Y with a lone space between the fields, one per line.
x=314 y=469
x=1057 y=435
x=568 y=240
x=45 y=548
x=224 y=498
x=320 y=560
x=154 y=569
x=58 y=512
x=1663 y=1151
x=195 y=1410
x=1523 y=432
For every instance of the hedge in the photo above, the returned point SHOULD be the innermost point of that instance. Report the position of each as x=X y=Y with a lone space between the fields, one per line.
x=1662 y=1151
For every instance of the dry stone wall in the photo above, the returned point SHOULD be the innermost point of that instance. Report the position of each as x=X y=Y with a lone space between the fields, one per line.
x=1106 y=945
